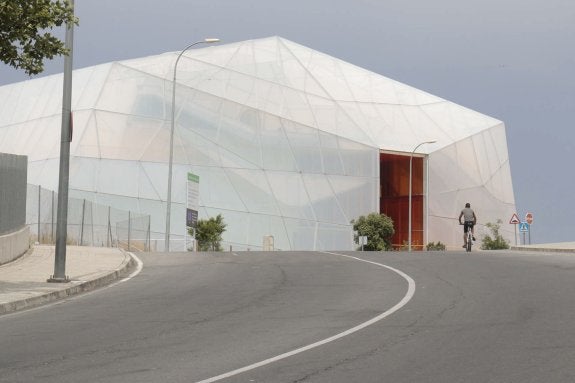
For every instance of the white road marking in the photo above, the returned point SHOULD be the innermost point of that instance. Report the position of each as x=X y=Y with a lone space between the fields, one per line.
x=400 y=304
x=135 y=272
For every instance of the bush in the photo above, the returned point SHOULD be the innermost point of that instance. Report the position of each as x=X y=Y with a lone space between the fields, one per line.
x=378 y=228
x=435 y=246
x=497 y=242
x=209 y=233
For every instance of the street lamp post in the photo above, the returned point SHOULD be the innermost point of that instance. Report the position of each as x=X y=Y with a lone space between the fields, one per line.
x=172 y=128
x=410 y=183
x=64 y=172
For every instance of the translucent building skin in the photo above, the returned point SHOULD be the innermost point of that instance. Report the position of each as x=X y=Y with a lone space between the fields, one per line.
x=285 y=140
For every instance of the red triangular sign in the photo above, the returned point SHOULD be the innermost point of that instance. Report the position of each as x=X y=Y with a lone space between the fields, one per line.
x=514 y=219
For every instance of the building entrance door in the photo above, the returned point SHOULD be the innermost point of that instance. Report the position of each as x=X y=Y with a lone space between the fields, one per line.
x=394 y=198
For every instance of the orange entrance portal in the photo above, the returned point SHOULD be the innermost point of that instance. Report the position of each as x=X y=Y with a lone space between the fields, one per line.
x=394 y=197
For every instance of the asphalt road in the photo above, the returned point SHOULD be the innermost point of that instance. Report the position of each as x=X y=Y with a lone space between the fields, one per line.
x=480 y=317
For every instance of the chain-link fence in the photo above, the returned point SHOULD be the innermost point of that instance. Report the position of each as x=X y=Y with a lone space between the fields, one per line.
x=89 y=224
x=134 y=232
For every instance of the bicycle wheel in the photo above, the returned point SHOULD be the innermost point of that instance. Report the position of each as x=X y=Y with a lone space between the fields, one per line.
x=468 y=248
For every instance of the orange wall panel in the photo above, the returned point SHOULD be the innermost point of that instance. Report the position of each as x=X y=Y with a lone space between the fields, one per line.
x=394 y=200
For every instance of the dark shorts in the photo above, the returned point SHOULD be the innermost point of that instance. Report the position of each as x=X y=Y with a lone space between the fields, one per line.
x=467 y=225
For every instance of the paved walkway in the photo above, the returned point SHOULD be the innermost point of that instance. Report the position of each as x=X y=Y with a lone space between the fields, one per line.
x=23 y=282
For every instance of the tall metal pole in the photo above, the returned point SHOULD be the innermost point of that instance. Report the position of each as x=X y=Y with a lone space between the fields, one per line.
x=426 y=199
x=39 y=210
x=63 y=180
x=172 y=128
x=410 y=187
x=52 y=220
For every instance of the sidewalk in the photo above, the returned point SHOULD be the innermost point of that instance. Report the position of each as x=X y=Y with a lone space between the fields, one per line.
x=562 y=247
x=23 y=282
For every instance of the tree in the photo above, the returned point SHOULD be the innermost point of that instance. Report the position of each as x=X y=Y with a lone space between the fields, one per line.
x=378 y=228
x=25 y=38
x=209 y=233
x=497 y=242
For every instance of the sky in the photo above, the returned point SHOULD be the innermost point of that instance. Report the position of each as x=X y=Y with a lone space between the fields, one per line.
x=513 y=60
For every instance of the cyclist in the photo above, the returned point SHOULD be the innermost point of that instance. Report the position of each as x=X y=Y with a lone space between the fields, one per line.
x=469 y=221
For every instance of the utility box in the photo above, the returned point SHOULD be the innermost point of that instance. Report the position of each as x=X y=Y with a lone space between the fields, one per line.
x=268 y=243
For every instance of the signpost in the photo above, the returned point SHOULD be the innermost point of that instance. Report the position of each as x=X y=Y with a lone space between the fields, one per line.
x=192 y=204
x=529 y=220
x=362 y=240
x=524 y=228
x=514 y=221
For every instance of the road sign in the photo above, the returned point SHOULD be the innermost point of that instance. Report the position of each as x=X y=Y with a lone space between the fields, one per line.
x=523 y=227
x=362 y=240
x=191 y=217
x=192 y=203
x=529 y=218
x=514 y=219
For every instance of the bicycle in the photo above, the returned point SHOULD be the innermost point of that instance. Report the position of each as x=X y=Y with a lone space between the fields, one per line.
x=468 y=239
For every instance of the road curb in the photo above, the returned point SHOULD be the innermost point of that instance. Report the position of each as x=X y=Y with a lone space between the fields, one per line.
x=542 y=249
x=78 y=287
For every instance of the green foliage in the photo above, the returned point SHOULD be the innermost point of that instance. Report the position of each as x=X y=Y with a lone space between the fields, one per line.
x=435 y=246
x=497 y=242
x=378 y=228
x=209 y=233
x=25 y=40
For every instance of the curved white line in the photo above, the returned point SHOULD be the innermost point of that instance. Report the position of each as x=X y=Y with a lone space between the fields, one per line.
x=139 y=267
x=400 y=304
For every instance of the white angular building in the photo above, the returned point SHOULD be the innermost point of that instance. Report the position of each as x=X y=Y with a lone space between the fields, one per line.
x=287 y=142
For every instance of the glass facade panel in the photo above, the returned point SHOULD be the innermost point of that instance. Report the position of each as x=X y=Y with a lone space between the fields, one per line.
x=261 y=225
x=238 y=133
x=333 y=237
x=291 y=195
x=301 y=234
x=277 y=153
x=356 y=195
x=323 y=199
x=332 y=162
x=254 y=191
x=218 y=188
x=305 y=145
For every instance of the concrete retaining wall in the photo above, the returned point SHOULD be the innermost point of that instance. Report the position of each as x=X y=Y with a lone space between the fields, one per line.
x=13 y=245
x=13 y=176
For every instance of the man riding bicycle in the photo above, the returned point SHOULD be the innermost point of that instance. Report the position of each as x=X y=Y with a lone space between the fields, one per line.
x=469 y=221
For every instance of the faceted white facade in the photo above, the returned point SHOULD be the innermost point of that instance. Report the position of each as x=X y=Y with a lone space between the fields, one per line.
x=285 y=140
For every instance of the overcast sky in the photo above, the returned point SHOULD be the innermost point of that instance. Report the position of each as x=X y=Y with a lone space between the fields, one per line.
x=511 y=59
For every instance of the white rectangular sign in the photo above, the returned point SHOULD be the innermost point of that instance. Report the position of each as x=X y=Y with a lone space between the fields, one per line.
x=192 y=200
